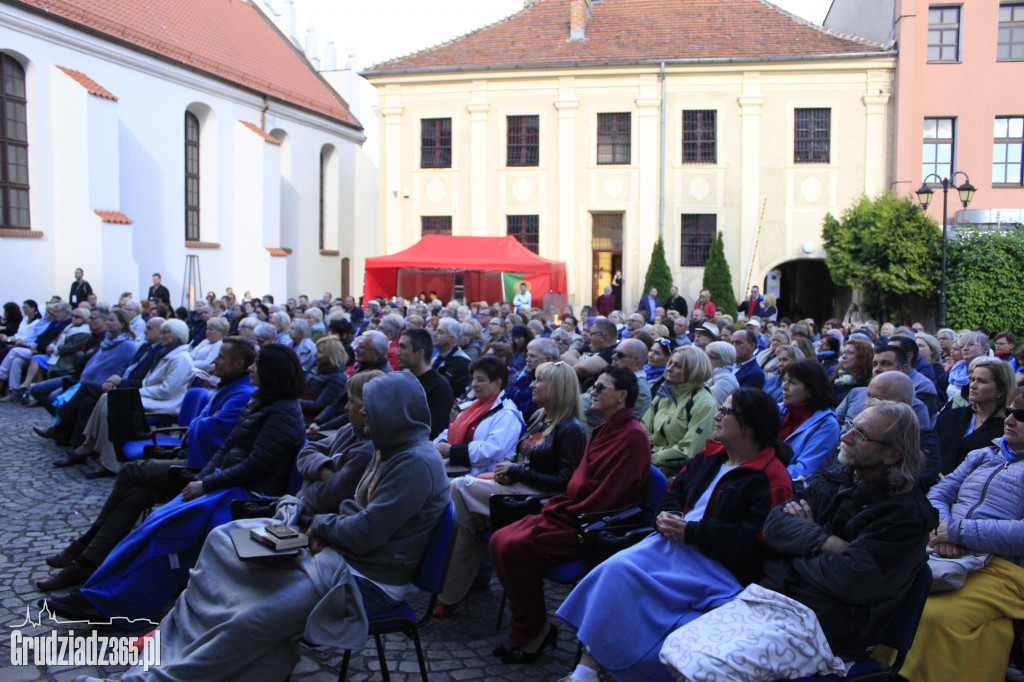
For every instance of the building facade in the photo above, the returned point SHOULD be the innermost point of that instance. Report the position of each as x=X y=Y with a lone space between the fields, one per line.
x=551 y=127
x=136 y=140
x=958 y=100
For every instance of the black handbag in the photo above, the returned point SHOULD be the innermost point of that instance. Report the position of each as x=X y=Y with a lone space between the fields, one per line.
x=602 y=534
x=506 y=509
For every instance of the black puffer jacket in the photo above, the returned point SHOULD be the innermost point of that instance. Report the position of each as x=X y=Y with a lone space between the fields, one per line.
x=259 y=455
x=548 y=464
x=854 y=592
x=329 y=386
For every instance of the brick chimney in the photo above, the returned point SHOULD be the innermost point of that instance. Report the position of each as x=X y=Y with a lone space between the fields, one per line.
x=579 y=15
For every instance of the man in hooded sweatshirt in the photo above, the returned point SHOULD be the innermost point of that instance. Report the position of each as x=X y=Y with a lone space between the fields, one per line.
x=243 y=620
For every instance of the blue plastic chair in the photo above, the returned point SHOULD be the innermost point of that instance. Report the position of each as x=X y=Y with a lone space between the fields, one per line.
x=572 y=572
x=191 y=406
x=899 y=636
x=430 y=577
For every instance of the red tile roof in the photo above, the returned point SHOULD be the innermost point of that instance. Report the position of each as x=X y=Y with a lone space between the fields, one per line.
x=267 y=137
x=635 y=31
x=278 y=252
x=113 y=217
x=228 y=39
x=89 y=84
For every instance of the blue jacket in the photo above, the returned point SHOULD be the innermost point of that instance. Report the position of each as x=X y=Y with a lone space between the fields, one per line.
x=811 y=442
x=982 y=504
x=213 y=425
x=750 y=374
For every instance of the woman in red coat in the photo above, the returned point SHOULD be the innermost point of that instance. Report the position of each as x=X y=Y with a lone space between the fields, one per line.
x=613 y=474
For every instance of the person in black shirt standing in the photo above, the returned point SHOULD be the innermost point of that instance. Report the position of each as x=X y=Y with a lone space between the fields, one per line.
x=159 y=292
x=80 y=289
x=414 y=350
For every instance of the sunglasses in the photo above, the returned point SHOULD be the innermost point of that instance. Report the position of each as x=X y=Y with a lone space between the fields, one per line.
x=1016 y=412
x=598 y=389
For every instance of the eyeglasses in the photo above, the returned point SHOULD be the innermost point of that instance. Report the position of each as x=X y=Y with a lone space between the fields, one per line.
x=861 y=438
x=598 y=389
x=1015 y=412
x=726 y=411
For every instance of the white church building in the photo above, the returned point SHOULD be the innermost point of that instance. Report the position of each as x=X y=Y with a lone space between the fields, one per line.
x=134 y=136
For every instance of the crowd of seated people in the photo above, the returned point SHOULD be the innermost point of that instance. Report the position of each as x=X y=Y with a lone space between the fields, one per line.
x=772 y=435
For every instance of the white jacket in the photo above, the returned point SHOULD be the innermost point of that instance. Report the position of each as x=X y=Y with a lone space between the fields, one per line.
x=164 y=387
x=495 y=437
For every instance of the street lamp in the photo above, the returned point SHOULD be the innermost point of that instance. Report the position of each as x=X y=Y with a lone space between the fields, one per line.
x=924 y=195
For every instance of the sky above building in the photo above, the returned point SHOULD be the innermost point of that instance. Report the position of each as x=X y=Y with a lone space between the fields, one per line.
x=385 y=29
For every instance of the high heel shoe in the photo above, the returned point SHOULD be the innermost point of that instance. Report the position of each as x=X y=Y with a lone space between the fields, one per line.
x=442 y=610
x=516 y=655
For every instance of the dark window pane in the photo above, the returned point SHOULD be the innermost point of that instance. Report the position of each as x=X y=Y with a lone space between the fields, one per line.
x=699 y=137
x=696 y=234
x=944 y=34
x=436 y=143
x=14 y=200
x=523 y=141
x=191 y=177
x=1010 y=41
x=436 y=224
x=613 y=138
x=525 y=228
x=811 y=135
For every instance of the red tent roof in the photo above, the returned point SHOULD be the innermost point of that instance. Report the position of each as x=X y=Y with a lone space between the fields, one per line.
x=444 y=252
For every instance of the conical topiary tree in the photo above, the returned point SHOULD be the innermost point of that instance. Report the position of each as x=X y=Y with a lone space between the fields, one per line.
x=659 y=275
x=718 y=278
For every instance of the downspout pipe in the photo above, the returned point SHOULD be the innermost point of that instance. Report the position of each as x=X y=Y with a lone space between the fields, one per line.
x=661 y=168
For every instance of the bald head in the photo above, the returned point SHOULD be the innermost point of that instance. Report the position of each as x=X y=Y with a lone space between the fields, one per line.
x=894 y=386
x=631 y=354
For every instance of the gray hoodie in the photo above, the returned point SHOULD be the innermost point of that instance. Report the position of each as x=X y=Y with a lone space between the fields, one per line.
x=385 y=530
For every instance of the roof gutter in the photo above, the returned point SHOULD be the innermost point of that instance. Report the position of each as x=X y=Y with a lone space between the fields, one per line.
x=626 y=62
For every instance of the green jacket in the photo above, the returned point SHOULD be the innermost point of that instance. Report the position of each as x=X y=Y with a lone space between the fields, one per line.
x=677 y=433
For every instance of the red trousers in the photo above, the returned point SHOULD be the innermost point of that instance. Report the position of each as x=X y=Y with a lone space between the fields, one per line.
x=520 y=562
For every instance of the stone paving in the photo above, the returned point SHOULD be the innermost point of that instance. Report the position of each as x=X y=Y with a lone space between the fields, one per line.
x=43 y=508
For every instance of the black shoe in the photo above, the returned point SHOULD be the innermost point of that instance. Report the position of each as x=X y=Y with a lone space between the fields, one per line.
x=517 y=655
x=66 y=556
x=71 y=458
x=74 y=606
x=99 y=473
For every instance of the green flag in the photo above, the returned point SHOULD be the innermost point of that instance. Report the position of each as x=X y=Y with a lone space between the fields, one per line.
x=510 y=285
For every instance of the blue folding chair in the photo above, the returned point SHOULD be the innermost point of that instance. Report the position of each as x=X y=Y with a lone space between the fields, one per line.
x=430 y=577
x=899 y=636
x=191 y=406
x=572 y=572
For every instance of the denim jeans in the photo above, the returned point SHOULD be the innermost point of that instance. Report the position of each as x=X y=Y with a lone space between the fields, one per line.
x=374 y=599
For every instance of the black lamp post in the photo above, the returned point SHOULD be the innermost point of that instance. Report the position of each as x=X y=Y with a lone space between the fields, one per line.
x=924 y=195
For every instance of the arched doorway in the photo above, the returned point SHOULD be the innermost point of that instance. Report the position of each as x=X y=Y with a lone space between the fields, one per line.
x=805 y=289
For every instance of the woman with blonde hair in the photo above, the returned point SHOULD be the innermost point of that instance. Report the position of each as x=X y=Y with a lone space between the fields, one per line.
x=326 y=383
x=545 y=458
x=682 y=414
x=962 y=430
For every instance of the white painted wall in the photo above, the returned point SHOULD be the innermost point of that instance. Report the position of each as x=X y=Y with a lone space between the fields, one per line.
x=89 y=153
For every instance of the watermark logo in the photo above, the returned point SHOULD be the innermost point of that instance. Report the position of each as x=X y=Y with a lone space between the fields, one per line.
x=69 y=649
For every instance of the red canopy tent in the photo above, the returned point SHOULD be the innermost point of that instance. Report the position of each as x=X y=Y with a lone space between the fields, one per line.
x=443 y=263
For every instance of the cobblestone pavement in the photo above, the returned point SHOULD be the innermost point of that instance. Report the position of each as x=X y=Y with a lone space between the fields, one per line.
x=43 y=508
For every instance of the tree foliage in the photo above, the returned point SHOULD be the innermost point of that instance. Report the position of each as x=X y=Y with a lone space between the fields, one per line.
x=659 y=275
x=984 y=280
x=886 y=247
x=718 y=277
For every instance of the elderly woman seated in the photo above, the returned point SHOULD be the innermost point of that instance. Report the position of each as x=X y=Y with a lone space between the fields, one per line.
x=682 y=414
x=546 y=457
x=966 y=634
x=282 y=323
x=708 y=543
x=162 y=391
x=486 y=429
x=612 y=474
x=325 y=385
x=302 y=344
x=954 y=382
x=723 y=380
x=206 y=350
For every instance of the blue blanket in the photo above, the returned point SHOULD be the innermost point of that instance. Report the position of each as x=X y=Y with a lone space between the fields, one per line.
x=150 y=566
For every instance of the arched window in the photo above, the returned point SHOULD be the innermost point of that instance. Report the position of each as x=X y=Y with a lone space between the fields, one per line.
x=13 y=146
x=191 y=177
x=323 y=171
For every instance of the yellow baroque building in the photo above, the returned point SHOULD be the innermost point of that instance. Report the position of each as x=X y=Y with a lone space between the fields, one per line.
x=588 y=129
